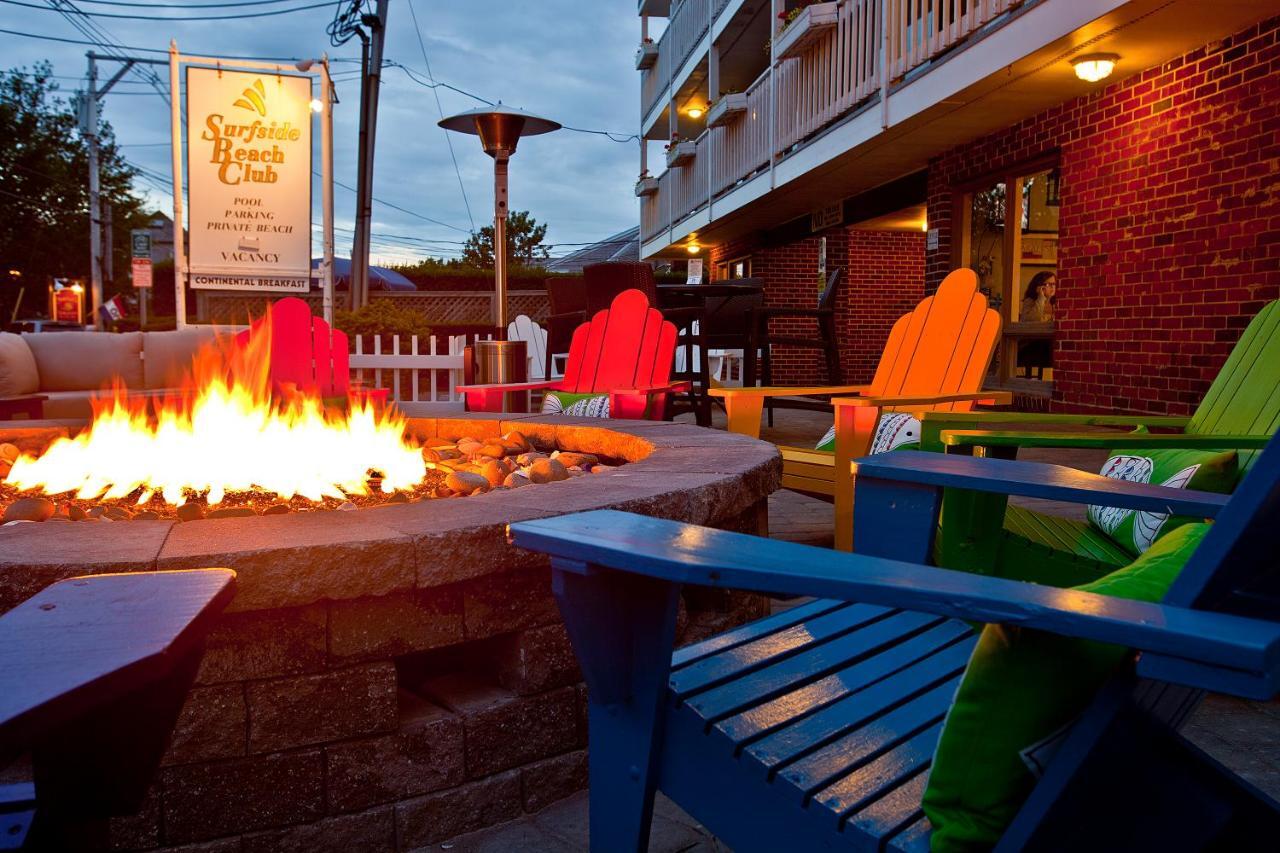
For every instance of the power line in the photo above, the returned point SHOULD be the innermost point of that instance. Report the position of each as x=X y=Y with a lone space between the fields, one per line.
x=134 y=49
x=191 y=18
x=448 y=137
x=401 y=209
x=224 y=5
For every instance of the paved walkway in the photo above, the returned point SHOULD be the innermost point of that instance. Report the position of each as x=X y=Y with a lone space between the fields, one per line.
x=1243 y=735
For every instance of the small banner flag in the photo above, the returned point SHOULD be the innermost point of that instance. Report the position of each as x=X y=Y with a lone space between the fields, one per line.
x=113 y=309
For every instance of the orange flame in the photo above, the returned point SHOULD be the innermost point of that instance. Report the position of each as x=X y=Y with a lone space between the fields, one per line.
x=225 y=431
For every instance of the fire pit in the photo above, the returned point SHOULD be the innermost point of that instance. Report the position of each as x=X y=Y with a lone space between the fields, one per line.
x=232 y=442
x=395 y=674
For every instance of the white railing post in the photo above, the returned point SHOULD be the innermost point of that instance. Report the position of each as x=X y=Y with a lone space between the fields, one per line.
x=884 y=63
x=774 y=7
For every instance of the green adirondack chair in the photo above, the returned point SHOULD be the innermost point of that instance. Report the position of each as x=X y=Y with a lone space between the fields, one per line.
x=983 y=533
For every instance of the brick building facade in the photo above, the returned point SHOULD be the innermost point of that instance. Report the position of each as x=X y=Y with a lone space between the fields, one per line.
x=1169 y=232
x=1169 y=221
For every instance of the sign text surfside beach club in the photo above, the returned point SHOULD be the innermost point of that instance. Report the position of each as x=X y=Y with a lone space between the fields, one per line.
x=249 y=180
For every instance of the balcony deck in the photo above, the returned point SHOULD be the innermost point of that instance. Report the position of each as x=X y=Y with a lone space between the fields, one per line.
x=872 y=98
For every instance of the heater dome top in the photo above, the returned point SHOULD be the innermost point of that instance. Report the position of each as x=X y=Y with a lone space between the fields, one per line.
x=499 y=126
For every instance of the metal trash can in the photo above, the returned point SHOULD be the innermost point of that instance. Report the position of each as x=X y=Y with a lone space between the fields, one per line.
x=501 y=362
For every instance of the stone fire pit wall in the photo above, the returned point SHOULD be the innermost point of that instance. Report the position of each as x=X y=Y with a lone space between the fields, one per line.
x=395 y=676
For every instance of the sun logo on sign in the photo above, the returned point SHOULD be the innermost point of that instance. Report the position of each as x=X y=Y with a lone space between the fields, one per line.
x=255 y=98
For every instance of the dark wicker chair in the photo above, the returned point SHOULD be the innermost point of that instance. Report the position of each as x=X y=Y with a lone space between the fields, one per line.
x=606 y=280
x=568 y=298
x=763 y=340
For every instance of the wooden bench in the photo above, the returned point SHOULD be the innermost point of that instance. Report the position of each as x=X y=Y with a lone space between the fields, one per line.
x=93 y=673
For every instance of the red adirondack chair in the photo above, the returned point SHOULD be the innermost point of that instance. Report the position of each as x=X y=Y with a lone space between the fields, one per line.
x=307 y=355
x=625 y=351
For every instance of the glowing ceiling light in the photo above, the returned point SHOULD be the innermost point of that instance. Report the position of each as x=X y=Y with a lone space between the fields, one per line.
x=317 y=105
x=1093 y=67
x=693 y=248
x=694 y=112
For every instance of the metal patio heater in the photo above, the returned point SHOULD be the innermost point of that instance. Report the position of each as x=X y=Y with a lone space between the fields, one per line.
x=500 y=128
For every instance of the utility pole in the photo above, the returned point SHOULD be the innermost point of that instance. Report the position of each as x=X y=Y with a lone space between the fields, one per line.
x=370 y=81
x=89 y=130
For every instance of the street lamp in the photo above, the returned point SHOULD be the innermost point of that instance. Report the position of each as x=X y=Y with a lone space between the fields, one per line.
x=499 y=128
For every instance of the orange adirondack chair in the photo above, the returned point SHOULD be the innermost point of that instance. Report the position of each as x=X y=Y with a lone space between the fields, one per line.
x=307 y=355
x=626 y=351
x=935 y=360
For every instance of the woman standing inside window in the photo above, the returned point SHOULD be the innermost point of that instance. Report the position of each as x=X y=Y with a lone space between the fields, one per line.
x=1039 y=299
x=1037 y=307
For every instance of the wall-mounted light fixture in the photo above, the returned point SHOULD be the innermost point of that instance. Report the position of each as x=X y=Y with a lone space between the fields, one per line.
x=1093 y=67
x=694 y=112
x=693 y=248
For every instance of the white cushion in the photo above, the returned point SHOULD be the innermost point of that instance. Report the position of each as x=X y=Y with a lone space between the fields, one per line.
x=18 y=373
x=86 y=361
x=167 y=355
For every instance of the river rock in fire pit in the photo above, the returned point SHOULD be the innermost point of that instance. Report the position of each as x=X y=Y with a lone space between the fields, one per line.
x=430 y=454
x=493 y=450
x=494 y=471
x=28 y=509
x=547 y=471
x=580 y=460
x=190 y=512
x=8 y=452
x=515 y=480
x=277 y=509
x=465 y=482
x=524 y=460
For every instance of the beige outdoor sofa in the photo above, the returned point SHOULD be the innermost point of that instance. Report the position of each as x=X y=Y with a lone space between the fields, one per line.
x=70 y=367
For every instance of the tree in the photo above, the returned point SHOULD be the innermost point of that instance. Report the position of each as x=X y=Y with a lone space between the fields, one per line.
x=44 y=191
x=524 y=243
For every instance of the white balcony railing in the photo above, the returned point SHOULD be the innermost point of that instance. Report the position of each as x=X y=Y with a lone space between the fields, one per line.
x=839 y=71
x=688 y=24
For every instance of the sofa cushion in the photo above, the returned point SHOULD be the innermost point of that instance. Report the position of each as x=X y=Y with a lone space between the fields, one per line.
x=18 y=374
x=166 y=356
x=86 y=361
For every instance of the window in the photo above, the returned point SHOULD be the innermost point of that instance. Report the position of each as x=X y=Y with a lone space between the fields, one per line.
x=1009 y=237
x=736 y=268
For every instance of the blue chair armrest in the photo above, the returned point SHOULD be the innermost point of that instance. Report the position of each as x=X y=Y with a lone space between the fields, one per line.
x=602 y=540
x=1034 y=480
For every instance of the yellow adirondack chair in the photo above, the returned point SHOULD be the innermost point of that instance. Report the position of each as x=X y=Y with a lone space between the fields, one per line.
x=935 y=360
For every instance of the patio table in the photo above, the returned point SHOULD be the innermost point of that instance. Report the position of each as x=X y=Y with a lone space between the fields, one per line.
x=717 y=316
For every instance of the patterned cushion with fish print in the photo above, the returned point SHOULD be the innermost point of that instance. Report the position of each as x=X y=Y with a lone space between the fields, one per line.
x=896 y=431
x=1201 y=470
x=582 y=405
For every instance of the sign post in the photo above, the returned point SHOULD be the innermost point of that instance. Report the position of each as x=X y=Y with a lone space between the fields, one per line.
x=140 y=267
x=66 y=300
x=249 y=168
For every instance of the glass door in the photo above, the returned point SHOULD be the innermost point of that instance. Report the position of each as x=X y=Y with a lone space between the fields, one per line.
x=1009 y=237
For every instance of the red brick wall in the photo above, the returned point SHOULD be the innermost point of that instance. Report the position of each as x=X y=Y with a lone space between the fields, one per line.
x=884 y=278
x=1170 y=221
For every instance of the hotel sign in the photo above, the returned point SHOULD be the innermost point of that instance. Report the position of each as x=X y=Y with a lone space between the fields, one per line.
x=249 y=179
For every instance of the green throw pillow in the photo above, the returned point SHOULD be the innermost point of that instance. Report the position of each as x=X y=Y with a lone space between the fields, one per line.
x=896 y=431
x=1201 y=470
x=1020 y=694
x=583 y=405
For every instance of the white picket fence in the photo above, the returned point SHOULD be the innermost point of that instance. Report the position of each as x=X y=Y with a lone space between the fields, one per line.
x=422 y=380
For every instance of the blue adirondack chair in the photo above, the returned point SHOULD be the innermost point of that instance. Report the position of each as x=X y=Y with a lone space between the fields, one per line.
x=813 y=729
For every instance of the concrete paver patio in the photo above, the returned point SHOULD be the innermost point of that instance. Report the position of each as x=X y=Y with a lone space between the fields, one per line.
x=1243 y=735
